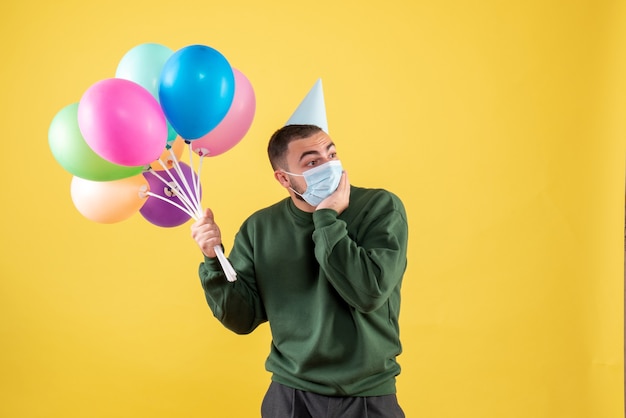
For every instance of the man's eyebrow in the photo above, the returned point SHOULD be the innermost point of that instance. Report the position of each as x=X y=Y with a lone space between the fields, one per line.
x=313 y=152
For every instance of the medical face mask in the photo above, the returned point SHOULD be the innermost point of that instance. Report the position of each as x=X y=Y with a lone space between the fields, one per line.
x=321 y=181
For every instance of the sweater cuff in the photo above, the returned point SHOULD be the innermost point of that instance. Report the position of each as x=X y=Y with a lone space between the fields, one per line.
x=212 y=264
x=324 y=217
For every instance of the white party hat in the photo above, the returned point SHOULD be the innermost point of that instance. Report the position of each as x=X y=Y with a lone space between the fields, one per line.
x=312 y=110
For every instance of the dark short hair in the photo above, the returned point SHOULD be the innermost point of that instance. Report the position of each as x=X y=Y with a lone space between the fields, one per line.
x=280 y=140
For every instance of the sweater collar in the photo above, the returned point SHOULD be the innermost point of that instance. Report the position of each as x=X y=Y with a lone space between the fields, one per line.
x=300 y=215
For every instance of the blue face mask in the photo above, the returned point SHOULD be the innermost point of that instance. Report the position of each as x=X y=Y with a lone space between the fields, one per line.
x=321 y=181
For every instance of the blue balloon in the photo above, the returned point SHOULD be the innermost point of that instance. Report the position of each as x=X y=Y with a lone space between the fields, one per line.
x=196 y=89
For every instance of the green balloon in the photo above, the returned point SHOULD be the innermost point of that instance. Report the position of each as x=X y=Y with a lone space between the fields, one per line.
x=72 y=152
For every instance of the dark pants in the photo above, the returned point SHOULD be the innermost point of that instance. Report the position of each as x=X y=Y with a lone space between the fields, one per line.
x=283 y=402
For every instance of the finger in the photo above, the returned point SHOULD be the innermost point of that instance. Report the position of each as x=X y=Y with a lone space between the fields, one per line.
x=208 y=215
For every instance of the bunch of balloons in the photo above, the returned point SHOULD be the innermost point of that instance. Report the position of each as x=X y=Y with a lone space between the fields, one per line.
x=123 y=140
x=128 y=132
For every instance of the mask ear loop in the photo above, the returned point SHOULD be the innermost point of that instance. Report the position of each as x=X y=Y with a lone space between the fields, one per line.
x=294 y=190
x=291 y=188
x=292 y=174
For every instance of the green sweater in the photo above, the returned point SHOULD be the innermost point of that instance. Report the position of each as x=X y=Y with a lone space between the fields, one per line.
x=328 y=285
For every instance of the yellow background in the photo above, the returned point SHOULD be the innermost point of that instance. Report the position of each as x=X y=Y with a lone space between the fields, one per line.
x=501 y=125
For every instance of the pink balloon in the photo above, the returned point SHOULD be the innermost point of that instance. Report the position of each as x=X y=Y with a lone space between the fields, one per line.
x=122 y=122
x=235 y=124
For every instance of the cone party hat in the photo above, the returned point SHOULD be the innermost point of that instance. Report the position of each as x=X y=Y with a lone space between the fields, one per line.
x=312 y=110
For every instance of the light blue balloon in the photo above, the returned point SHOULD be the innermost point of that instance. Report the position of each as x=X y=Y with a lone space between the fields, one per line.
x=196 y=89
x=143 y=64
x=171 y=133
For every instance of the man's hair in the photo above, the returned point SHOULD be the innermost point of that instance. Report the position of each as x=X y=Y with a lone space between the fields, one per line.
x=280 y=140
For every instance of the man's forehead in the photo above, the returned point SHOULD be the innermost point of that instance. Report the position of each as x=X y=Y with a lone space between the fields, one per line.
x=319 y=141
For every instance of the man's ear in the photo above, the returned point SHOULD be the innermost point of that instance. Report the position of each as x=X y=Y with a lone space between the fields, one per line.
x=282 y=178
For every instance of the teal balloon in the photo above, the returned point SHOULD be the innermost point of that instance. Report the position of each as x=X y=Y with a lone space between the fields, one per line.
x=143 y=65
x=171 y=133
x=71 y=151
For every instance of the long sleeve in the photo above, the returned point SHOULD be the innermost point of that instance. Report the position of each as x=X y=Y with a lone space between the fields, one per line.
x=236 y=305
x=364 y=265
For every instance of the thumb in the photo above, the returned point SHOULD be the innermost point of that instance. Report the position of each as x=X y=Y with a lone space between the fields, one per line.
x=208 y=214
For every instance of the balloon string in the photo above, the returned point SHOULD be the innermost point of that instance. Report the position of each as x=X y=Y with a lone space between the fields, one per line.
x=179 y=170
x=196 y=184
x=194 y=208
x=229 y=271
x=199 y=170
x=177 y=188
x=190 y=195
x=173 y=203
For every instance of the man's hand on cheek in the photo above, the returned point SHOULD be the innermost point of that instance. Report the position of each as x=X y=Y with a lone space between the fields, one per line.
x=340 y=198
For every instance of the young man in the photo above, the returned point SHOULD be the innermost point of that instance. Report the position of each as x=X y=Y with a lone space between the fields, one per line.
x=324 y=267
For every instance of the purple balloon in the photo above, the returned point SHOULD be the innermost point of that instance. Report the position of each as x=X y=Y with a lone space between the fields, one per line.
x=162 y=213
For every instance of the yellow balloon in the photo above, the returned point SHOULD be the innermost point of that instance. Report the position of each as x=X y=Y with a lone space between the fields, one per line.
x=166 y=156
x=109 y=201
